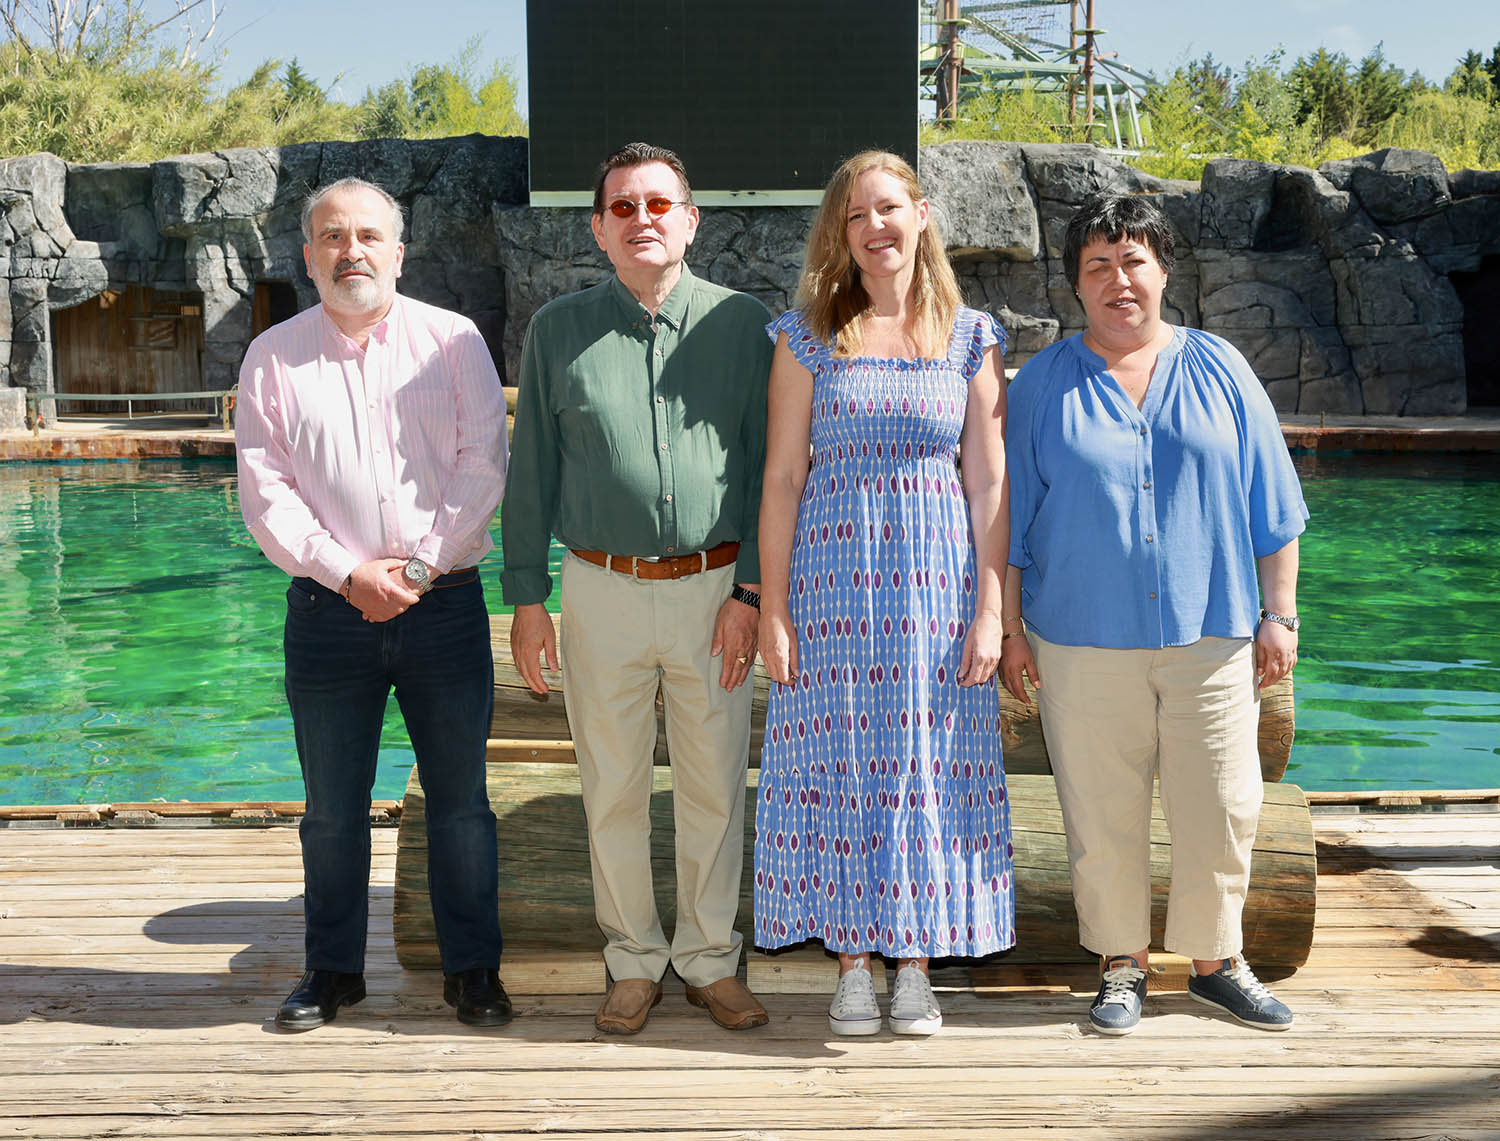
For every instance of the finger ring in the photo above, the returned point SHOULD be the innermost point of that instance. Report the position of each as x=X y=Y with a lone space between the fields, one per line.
x=742 y=661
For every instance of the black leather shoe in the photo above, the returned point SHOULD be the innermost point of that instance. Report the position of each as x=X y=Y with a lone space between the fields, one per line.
x=479 y=996
x=318 y=998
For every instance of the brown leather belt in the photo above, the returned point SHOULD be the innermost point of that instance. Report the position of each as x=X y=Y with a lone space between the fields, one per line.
x=673 y=566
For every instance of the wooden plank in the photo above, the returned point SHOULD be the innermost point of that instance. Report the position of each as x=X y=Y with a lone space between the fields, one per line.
x=114 y=1032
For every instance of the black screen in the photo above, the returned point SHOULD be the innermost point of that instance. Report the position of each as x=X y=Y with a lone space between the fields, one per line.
x=764 y=96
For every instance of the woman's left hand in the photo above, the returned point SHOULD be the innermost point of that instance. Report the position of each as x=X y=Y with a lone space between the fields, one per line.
x=1275 y=652
x=981 y=650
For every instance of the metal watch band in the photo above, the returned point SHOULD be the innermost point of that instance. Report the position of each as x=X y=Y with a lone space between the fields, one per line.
x=1290 y=621
x=748 y=597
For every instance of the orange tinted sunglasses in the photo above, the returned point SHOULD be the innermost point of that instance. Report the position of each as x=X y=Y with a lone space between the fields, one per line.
x=656 y=207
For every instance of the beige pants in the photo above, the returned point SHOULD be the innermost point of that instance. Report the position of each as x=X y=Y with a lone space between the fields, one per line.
x=1115 y=718
x=621 y=638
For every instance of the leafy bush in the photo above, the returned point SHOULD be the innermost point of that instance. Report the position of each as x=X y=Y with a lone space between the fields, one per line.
x=116 y=93
x=1321 y=107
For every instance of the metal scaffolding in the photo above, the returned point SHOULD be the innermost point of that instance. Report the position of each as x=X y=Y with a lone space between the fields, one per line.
x=1007 y=44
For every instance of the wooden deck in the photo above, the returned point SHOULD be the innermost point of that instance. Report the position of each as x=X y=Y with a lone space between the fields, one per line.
x=139 y=969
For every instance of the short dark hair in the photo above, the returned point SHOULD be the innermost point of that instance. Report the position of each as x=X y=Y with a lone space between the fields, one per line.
x=638 y=154
x=1109 y=216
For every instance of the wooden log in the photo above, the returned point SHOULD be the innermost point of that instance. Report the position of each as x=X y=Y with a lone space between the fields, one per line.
x=546 y=896
x=521 y=715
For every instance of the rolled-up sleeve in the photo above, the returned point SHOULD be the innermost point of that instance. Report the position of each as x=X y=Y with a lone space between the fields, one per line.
x=1277 y=511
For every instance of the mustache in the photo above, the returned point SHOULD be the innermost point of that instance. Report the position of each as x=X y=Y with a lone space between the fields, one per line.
x=360 y=266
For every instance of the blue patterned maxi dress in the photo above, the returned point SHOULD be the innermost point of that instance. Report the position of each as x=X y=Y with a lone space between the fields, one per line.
x=882 y=821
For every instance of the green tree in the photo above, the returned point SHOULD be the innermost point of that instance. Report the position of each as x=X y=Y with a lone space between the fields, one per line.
x=299 y=86
x=1380 y=91
x=1471 y=79
x=1182 y=137
x=1211 y=84
x=440 y=100
x=1324 y=93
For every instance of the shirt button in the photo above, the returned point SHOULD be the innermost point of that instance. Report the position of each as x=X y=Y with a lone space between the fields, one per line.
x=1152 y=594
x=1146 y=484
x=669 y=499
x=1150 y=538
x=670 y=550
x=664 y=447
x=661 y=399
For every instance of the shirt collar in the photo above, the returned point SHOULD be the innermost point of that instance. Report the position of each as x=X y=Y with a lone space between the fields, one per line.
x=672 y=310
x=379 y=334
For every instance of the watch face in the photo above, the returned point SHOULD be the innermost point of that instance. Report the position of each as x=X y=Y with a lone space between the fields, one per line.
x=416 y=571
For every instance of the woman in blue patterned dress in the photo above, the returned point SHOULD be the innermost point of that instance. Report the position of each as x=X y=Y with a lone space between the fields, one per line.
x=882 y=825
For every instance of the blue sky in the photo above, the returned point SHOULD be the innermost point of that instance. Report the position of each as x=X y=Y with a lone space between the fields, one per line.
x=370 y=42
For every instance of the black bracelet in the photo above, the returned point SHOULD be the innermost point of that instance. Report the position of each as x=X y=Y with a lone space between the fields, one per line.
x=748 y=597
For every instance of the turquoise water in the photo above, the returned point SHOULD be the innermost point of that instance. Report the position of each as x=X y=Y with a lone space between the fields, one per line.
x=142 y=649
x=1399 y=680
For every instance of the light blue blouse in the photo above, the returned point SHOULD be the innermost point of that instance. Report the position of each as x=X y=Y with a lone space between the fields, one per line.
x=1139 y=528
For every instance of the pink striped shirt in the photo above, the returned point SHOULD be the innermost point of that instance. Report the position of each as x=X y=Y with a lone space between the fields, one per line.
x=349 y=454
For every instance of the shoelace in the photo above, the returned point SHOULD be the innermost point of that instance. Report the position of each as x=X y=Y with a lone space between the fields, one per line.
x=913 y=988
x=1242 y=975
x=856 y=991
x=1119 y=985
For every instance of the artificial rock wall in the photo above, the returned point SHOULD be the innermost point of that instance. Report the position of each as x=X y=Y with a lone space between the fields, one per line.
x=1333 y=282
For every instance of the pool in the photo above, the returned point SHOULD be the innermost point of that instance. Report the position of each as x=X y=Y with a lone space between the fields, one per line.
x=142 y=656
x=142 y=649
x=1398 y=685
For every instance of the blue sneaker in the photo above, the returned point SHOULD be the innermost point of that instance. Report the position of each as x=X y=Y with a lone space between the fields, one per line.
x=1234 y=989
x=1117 y=1006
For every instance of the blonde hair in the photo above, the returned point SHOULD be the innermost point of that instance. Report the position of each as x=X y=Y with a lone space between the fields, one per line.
x=830 y=294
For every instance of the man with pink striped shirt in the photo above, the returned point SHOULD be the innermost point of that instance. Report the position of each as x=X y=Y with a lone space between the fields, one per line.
x=372 y=456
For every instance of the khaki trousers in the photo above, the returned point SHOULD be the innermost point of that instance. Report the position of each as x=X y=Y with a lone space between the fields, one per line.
x=622 y=637
x=1113 y=719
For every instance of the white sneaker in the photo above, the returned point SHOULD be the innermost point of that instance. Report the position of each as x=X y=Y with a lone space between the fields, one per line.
x=854 y=1011
x=914 y=1008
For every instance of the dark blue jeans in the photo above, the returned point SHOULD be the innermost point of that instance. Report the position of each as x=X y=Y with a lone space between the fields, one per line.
x=340 y=670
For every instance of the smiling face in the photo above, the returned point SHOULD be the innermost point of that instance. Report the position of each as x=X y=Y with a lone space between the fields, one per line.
x=1121 y=285
x=642 y=245
x=883 y=225
x=353 y=257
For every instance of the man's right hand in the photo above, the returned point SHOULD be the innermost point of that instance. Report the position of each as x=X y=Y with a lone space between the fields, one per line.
x=379 y=592
x=531 y=634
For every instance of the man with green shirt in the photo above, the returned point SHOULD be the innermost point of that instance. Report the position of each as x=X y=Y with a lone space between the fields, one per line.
x=639 y=443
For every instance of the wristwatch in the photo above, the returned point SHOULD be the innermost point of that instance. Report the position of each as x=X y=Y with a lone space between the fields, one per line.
x=418 y=575
x=748 y=597
x=1290 y=621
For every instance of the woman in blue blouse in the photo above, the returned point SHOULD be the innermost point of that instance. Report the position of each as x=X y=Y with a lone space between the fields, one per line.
x=1154 y=513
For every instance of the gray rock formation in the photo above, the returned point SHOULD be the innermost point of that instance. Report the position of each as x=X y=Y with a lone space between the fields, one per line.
x=1334 y=283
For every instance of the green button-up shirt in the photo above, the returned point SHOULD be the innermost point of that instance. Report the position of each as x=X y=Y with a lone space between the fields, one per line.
x=637 y=436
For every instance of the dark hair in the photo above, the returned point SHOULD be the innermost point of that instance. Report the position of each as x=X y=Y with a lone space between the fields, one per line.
x=638 y=154
x=315 y=199
x=1108 y=216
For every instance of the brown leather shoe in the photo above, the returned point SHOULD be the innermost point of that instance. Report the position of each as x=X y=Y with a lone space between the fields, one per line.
x=729 y=1003
x=626 y=1006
